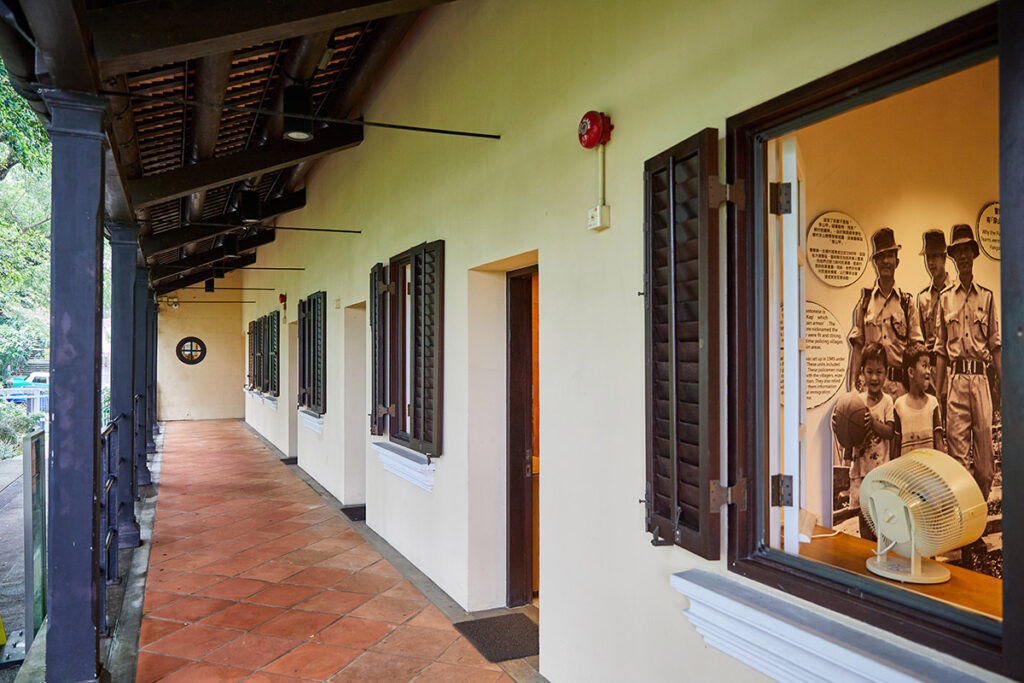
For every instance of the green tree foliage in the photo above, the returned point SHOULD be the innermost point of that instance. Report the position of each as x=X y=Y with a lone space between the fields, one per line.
x=15 y=425
x=24 y=231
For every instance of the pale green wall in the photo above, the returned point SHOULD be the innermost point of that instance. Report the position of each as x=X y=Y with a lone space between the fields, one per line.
x=528 y=70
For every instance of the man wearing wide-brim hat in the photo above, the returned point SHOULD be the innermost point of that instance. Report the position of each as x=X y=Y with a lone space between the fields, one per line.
x=884 y=314
x=967 y=343
x=934 y=252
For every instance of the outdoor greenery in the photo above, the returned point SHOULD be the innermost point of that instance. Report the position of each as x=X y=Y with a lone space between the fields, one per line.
x=24 y=232
x=15 y=425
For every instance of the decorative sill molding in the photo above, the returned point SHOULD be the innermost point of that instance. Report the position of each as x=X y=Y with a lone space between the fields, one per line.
x=312 y=421
x=405 y=464
x=262 y=398
x=789 y=642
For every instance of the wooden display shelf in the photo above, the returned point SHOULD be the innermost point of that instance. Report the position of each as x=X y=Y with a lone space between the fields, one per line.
x=965 y=589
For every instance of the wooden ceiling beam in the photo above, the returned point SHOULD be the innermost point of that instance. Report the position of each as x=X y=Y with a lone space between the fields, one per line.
x=187 y=280
x=175 y=239
x=148 y=33
x=183 y=266
x=160 y=187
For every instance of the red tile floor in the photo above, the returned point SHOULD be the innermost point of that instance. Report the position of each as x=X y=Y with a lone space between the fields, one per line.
x=252 y=577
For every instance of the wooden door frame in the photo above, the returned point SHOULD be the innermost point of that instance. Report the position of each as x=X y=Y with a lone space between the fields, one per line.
x=519 y=426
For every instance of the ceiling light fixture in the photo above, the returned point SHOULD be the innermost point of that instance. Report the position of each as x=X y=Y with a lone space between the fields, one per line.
x=298 y=108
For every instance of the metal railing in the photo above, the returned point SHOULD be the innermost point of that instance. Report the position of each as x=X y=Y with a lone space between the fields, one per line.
x=33 y=398
x=107 y=502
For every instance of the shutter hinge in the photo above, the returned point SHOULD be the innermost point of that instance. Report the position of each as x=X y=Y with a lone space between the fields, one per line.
x=781 y=490
x=720 y=192
x=780 y=198
x=735 y=494
x=383 y=410
x=385 y=287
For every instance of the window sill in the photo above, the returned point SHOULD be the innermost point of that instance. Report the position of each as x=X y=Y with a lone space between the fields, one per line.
x=787 y=641
x=312 y=421
x=262 y=398
x=405 y=464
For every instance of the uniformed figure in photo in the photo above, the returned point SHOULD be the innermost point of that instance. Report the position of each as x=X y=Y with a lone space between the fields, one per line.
x=934 y=253
x=885 y=315
x=967 y=343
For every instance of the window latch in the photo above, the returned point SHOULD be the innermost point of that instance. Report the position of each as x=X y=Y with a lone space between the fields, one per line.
x=383 y=410
x=729 y=495
x=383 y=287
x=718 y=193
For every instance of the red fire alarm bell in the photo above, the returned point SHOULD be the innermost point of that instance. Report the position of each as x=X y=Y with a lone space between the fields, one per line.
x=283 y=298
x=595 y=129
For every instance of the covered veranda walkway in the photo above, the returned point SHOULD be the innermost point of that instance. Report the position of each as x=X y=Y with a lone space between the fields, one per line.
x=254 y=577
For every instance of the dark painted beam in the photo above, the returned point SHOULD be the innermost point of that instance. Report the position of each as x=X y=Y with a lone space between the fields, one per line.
x=169 y=286
x=140 y=373
x=148 y=33
x=123 y=245
x=60 y=28
x=174 y=239
x=73 y=588
x=222 y=170
x=164 y=271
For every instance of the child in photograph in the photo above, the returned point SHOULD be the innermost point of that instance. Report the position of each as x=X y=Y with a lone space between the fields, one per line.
x=874 y=451
x=918 y=420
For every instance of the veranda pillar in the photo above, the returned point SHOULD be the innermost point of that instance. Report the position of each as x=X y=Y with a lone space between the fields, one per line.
x=141 y=340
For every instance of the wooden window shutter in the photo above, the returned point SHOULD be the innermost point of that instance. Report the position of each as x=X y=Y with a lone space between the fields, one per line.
x=427 y=343
x=681 y=285
x=249 y=377
x=318 y=333
x=302 y=343
x=378 y=349
x=275 y=353
x=259 y=354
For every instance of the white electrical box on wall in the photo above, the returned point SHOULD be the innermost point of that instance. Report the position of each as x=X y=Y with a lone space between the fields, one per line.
x=599 y=217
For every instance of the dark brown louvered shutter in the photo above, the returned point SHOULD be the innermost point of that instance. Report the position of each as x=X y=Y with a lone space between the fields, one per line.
x=303 y=343
x=378 y=349
x=259 y=355
x=275 y=353
x=318 y=352
x=427 y=345
x=249 y=377
x=681 y=286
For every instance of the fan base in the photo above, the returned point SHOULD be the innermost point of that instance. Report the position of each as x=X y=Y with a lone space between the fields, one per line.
x=897 y=568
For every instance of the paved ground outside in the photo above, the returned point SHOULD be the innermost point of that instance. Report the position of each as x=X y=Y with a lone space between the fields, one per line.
x=12 y=552
x=252 y=577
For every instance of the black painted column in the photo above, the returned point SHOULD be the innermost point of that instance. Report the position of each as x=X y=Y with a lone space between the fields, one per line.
x=76 y=300
x=123 y=246
x=142 y=476
x=151 y=373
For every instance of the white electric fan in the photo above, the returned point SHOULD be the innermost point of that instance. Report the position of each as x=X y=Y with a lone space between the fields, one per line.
x=920 y=505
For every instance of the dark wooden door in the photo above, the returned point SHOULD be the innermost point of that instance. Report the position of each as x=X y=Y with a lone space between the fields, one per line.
x=521 y=435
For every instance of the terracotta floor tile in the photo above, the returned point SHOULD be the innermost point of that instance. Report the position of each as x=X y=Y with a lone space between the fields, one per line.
x=381 y=668
x=283 y=595
x=230 y=566
x=155 y=629
x=189 y=582
x=391 y=610
x=313 y=661
x=347 y=560
x=157 y=599
x=159 y=558
x=192 y=642
x=264 y=677
x=357 y=633
x=190 y=608
x=263 y=552
x=406 y=591
x=234 y=588
x=157 y=575
x=282 y=528
x=413 y=641
x=251 y=651
x=333 y=602
x=333 y=545
x=318 y=576
x=297 y=624
x=152 y=667
x=306 y=558
x=431 y=617
x=188 y=561
x=271 y=571
x=463 y=653
x=242 y=616
x=201 y=672
x=449 y=673
x=366 y=583
x=385 y=568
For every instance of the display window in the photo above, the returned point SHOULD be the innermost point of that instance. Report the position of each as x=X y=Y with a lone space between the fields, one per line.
x=884 y=424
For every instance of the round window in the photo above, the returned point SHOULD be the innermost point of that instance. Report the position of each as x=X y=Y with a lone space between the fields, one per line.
x=191 y=350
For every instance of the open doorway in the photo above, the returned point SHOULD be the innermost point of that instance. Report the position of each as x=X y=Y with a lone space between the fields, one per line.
x=523 y=438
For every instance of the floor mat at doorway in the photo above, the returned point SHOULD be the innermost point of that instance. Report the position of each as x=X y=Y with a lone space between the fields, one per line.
x=509 y=636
